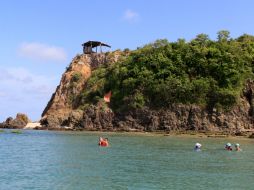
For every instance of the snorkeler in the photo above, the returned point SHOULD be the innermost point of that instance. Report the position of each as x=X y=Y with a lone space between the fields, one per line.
x=197 y=147
x=228 y=147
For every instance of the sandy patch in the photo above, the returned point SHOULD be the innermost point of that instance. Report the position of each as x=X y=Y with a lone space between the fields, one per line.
x=32 y=125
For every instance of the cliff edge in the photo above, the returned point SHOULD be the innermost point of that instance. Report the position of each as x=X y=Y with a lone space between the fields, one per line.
x=63 y=107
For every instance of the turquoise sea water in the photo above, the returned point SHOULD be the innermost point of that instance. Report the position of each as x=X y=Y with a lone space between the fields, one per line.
x=72 y=160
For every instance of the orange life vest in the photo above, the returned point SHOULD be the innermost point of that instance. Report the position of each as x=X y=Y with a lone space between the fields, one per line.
x=103 y=143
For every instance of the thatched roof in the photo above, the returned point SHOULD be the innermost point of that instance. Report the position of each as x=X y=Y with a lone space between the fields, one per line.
x=94 y=44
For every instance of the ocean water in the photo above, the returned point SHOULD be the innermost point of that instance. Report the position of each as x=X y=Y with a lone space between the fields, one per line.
x=50 y=160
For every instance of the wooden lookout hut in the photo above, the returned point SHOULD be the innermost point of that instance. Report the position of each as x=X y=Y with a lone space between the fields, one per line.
x=88 y=47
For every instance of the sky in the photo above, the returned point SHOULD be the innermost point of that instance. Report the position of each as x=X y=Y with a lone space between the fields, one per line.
x=40 y=38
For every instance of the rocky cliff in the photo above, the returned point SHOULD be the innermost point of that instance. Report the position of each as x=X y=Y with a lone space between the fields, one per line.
x=63 y=111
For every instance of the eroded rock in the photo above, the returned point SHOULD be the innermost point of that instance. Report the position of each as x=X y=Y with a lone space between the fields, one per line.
x=19 y=122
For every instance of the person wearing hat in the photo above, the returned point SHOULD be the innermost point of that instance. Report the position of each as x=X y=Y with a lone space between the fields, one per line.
x=228 y=147
x=237 y=147
x=197 y=147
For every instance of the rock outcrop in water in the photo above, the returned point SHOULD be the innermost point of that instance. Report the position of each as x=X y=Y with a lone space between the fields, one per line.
x=63 y=112
x=19 y=122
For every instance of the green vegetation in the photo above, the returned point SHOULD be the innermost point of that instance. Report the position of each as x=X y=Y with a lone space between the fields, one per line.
x=16 y=131
x=206 y=72
x=76 y=77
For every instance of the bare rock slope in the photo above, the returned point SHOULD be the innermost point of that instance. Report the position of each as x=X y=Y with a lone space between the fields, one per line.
x=60 y=111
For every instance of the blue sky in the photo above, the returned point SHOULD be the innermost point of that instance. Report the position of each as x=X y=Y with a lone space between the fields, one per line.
x=39 y=38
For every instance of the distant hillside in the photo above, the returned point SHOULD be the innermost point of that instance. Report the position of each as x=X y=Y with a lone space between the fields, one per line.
x=199 y=85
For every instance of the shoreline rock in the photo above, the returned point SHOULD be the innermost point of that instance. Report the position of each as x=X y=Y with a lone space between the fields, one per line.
x=19 y=122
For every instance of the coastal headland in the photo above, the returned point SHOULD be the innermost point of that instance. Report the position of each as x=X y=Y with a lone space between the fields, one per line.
x=197 y=87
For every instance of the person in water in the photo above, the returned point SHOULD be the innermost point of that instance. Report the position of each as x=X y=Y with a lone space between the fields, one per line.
x=237 y=147
x=228 y=147
x=103 y=142
x=197 y=147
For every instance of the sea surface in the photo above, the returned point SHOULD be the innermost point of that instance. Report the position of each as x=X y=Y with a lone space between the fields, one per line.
x=49 y=160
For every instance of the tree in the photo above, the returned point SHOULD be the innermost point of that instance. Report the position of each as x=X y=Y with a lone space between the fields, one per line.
x=245 y=38
x=223 y=35
x=201 y=39
x=203 y=71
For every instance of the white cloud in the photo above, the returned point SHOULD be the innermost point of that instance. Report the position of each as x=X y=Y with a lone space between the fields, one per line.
x=21 y=78
x=24 y=91
x=16 y=74
x=131 y=16
x=41 y=51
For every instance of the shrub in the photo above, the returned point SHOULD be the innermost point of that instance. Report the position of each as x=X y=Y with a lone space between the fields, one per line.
x=76 y=77
x=202 y=71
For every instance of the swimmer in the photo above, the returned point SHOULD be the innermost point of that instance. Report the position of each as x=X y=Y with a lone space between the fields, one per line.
x=237 y=147
x=103 y=142
x=228 y=147
x=197 y=147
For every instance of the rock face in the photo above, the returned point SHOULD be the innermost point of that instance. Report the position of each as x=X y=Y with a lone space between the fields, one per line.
x=60 y=113
x=19 y=122
x=189 y=117
x=60 y=110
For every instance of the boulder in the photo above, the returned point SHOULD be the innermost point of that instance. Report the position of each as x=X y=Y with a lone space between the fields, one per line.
x=75 y=119
x=19 y=122
x=96 y=117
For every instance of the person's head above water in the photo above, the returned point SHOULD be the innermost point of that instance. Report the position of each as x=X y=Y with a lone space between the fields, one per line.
x=228 y=146
x=237 y=147
x=198 y=146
